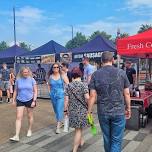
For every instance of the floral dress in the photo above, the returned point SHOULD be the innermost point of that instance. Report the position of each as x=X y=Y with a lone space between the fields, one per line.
x=77 y=111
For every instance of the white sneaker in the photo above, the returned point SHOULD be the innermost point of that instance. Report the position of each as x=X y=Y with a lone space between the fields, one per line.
x=15 y=138
x=29 y=133
x=58 y=131
x=66 y=130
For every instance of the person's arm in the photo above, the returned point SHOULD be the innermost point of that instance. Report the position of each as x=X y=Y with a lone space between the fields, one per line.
x=134 y=76
x=48 y=85
x=66 y=103
x=86 y=97
x=14 y=96
x=90 y=71
x=126 y=94
x=93 y=93
x=88 y=78
x=10 y=78
x=15 y=93
x=66 y=100
x=92 y=100
x=65 y=79
x=127 y=101
x=86 y=92
x=34 y=93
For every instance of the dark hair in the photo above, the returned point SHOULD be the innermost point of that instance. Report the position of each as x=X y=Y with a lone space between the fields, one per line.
x=81 y=67
x=51 y=69
x=65 y=55
x=65 y=64
x=85 y=58
x=76 y=73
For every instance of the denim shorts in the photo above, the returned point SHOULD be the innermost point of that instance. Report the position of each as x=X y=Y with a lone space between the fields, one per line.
x=5 y=85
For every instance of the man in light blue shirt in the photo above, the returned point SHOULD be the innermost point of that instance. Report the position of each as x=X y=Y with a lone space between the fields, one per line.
x=88 y=70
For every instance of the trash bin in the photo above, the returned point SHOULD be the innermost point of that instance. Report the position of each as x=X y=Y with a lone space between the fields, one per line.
x=134 y=122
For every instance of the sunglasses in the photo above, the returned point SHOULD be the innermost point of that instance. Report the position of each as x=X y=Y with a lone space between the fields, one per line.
x=55 y=67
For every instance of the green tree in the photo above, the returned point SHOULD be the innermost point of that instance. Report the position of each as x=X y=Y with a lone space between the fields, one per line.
x=103 y=33
x=3 y=45
x=77 y=41
x=25 y=46
x=144 y=28
x=122 y=35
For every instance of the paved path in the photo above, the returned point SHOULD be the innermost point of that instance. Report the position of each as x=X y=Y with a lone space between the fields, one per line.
x=45 y=140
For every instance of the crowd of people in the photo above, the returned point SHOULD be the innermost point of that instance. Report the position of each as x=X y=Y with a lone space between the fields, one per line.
x=73 y=94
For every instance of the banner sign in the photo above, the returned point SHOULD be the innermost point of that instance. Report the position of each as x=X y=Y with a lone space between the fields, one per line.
x=66 y=57
x=48 y=59
x=45 y=59
x=94 y=55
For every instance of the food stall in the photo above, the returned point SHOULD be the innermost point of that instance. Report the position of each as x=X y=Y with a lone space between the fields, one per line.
x=45 y=55
x=138 y=46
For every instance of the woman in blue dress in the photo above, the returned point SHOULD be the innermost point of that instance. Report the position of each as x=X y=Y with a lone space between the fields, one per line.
x=56 y=90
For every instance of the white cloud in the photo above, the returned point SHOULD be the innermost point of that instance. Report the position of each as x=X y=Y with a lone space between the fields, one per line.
x=111 y=27
x=28 y=18
x=62 y=33
x=139 y=7
x=30 y=12
x=139 y=3
x=35 y=25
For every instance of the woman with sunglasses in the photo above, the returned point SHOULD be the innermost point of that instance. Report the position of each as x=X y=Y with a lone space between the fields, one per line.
x=56 y=89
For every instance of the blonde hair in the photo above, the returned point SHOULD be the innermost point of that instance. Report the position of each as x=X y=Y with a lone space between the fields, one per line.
x=20 y=73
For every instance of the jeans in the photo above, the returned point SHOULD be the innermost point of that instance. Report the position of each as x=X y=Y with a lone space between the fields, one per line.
x=113 y=129
x=58 y=106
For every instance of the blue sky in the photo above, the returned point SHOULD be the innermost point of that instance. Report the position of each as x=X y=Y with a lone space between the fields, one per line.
x=39 y=21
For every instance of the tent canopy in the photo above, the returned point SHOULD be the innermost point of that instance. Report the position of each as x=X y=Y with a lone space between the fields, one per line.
x=12 y=52
x=139 y=45
x=49 y=48
x=99 y=44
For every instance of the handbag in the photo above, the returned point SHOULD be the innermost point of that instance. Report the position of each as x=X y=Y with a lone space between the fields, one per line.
x=85 y=105
x=66 y=123
x=92 y=124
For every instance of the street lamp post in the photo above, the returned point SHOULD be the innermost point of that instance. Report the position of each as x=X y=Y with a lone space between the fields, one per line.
x=14 y=25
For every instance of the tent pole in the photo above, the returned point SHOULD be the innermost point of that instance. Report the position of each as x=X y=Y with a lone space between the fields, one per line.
x=147 y=77
x=138 y=72
x=15 y=66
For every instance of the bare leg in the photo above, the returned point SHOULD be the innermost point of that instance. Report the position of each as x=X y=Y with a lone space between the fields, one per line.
x=82 y=141
x=0 y=93
x=19 y=117
x=77 y=139
x=1 y=96
x=8 y=93
x=30 y=118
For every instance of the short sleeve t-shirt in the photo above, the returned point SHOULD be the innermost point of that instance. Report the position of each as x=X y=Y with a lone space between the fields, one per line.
x=24 y=88
x=130 y=72
x=88 y=70
x=109 y=83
